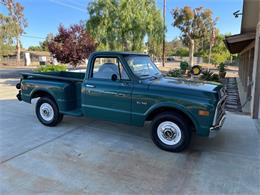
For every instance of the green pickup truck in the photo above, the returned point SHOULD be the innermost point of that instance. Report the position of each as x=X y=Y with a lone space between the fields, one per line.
x=128 y=88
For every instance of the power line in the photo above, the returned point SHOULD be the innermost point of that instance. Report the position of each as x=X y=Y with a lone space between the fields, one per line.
x=68 y=5
x=31 y=36
x=76 y=3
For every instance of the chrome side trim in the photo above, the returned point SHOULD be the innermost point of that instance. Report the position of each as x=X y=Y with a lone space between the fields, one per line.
x=90 y=86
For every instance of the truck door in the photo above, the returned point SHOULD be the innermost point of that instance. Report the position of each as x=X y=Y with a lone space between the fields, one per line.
x=107 y=92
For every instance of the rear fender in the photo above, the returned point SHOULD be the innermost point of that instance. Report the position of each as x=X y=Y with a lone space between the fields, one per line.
x=41 y=92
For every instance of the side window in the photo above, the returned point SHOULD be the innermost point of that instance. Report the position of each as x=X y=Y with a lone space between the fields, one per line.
x=104 y=68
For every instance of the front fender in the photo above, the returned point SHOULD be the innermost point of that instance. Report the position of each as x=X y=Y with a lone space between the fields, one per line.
x=176 y=107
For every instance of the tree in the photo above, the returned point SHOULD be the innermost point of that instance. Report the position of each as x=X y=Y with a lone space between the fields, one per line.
x=16 y=13
x=173 y=46
x=35 y=48
x=43 y=46
x=72 y=45
x=183 y=52
x=8 y=29
x=220 y=53
x=123 y=25
x=203 y=44
x=193 y=24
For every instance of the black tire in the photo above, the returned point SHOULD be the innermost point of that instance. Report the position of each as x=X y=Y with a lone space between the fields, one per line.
x=183 y=133
x=60 y=118
x=56 y=116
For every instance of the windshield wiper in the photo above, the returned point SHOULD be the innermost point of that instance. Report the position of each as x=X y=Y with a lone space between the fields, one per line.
x=157 y=75
x=145 y=75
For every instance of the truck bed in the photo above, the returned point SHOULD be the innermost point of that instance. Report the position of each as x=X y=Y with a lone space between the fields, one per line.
x=65 y=76
x=65 y=87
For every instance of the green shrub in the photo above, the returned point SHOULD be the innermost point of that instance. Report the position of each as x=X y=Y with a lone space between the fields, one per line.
x=222 y=70
x=184 y=66
x=207 y=75
x=52 y=68
x=222 y=67
x=183 y=52
x=215 y=78
x=175 y=73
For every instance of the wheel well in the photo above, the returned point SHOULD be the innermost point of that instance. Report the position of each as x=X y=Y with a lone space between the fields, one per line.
x=40 y=93
x=174 y=110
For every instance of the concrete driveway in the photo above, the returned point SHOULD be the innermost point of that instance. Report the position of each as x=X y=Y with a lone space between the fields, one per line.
x=86 y=156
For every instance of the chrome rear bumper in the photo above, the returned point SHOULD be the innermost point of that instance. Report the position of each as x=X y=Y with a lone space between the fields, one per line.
x=19 y=96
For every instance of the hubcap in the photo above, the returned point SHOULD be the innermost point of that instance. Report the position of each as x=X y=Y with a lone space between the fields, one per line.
x=46 y=112
x=169 y=133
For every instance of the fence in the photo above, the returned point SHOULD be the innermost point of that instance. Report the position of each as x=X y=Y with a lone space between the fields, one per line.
x=10 y=60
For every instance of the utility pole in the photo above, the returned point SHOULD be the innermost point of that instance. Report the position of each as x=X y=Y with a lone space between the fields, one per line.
x=163 y=52
x=211 y=43
x=210 y=48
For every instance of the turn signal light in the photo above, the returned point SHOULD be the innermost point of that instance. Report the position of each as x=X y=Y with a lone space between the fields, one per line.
x=203 y=113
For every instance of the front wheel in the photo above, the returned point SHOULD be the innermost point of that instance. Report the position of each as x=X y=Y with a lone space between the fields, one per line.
x=170 y=132
x=47 y=112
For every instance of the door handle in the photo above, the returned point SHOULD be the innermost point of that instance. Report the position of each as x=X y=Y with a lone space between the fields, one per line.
x=121 y=94
x=90 y=86
x=124 y=84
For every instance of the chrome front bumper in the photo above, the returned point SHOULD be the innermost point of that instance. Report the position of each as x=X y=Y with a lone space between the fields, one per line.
x=214 y=129
x=219 y=116
x=219 y=125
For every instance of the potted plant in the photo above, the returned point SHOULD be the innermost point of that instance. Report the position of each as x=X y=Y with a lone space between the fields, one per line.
x=222 y=70
x=184 y=66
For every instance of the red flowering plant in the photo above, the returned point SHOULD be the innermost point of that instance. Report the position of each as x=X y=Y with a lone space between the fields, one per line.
x=72 y=45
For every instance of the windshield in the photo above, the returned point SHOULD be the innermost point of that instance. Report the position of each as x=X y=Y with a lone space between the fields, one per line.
x=142 y=66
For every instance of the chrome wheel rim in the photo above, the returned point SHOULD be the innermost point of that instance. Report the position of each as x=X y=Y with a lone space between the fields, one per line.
x=46 y=112
x=169 y=133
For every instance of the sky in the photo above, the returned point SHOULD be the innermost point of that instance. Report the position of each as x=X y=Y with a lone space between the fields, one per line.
x=44 y=16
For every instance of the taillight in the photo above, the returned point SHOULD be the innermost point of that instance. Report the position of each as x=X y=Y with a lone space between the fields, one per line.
x=18 y=86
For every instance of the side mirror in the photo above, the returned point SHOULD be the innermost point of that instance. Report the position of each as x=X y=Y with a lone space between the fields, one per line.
x=114 y=77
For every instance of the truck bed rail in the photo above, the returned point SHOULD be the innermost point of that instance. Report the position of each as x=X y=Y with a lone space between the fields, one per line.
x=49 y=76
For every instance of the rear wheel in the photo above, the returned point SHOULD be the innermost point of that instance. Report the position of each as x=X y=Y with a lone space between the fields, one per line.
x=170 y=132
x=47 y=112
